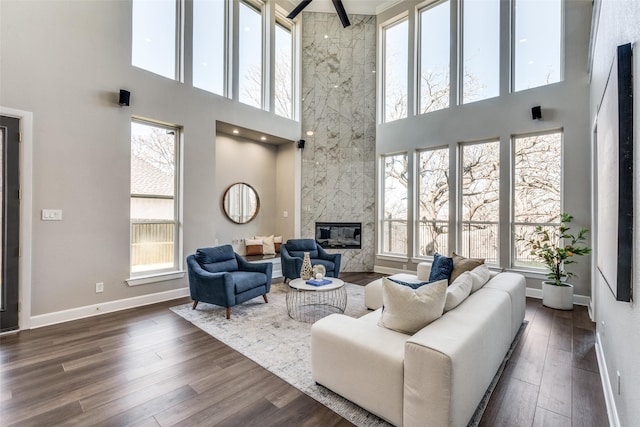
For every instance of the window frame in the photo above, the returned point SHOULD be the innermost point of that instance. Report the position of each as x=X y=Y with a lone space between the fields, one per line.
x=395 y=21
x=290 y=27
x=416 y=199
x=178 y=40
x=513 y=45
x=176 y=270
x=512 y=221
x=461 y=53
x=257 y=6
x=420 y=9
x=382 y=198
x=227 y=49
x=460 y=196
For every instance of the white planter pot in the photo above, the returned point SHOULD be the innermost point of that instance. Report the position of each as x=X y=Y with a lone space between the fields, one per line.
x=558 y=297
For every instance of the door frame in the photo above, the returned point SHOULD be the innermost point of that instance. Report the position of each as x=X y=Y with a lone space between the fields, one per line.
x=26 y=213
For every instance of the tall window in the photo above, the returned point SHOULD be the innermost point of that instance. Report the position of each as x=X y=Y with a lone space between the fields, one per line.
x=480 y=163
x=154 y=206
x=537 y=185
x=209 y=45
x=433 y=199
x=396 y=63
x=480 y=49
x=537 y=43
x=393 y=227
x=250 y=55
x=435 y=39
x=154 y=36
x=284 y=72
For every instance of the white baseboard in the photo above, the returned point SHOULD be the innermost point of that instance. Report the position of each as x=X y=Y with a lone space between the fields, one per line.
x=612 y=411
x=107 y=307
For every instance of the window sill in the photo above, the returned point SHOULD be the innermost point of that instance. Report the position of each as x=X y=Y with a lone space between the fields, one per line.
x=397 y=258
x=153 y=278
x=532 y=274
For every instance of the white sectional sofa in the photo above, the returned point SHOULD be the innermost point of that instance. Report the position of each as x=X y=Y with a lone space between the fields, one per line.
x=436 y=377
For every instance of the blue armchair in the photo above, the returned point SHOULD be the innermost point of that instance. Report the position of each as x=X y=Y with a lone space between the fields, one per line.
x=220 y=276
x=292 y=252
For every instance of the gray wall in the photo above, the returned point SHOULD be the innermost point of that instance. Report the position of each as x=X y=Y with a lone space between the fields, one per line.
x=338 y=104
x=564 y=106
x=618 y=322
x=242 y=160
x=65 y=61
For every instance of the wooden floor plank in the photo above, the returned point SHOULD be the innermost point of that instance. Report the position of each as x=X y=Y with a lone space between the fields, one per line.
x=555 y=388
x=589 y=408
x=545 y=418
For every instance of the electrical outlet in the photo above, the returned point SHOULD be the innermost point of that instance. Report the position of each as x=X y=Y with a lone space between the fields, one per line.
x=99 y=287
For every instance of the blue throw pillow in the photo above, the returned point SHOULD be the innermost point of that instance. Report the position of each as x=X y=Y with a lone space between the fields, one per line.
x=411 y=285
x=441 y=268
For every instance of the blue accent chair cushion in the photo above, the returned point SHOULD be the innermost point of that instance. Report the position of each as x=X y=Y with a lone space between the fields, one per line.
x=292 y=252
x=219 y=276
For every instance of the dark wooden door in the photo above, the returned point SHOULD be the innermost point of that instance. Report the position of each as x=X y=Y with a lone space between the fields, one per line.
x=10 y=221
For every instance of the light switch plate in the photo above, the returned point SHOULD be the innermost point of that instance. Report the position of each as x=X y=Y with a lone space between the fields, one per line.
x=52 y=214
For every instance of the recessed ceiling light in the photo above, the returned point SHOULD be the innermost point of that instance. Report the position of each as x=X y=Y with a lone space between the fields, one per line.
x=263 y=138
x=236 y=131
x=326 y=36
x=309 y=133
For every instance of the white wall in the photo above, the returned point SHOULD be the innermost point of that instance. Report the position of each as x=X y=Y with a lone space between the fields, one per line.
x=618 y=323
x=564 y=106
x=65 y=61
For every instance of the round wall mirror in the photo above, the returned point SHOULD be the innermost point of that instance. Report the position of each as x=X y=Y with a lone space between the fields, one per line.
x=241 y=203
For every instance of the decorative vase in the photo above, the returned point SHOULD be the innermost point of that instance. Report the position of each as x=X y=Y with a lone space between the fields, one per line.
x=557 y=296
x=306 y=272
x=319 y=269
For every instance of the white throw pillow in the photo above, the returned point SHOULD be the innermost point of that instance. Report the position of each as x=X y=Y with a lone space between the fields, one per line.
x=408 y=310
x=268 y=247
x=480 y=275
x=458 y=291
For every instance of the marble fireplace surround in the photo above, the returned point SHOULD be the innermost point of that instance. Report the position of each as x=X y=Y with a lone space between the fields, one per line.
x=339 y=108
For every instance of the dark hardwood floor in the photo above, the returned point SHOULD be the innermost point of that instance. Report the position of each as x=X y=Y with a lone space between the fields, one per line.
x=149 y=367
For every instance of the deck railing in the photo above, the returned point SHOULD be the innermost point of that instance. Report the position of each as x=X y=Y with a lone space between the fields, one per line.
x=433 y=236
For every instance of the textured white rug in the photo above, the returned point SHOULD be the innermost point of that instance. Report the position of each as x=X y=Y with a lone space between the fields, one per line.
x=268 y=336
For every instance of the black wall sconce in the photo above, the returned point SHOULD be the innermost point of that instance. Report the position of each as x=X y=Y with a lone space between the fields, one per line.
x=300 y=144
x=536 y=113
x=124 y=98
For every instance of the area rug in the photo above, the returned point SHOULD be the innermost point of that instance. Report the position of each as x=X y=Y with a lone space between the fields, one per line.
x=268 y=336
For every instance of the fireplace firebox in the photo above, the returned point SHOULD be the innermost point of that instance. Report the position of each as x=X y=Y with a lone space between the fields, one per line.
x=339 y=235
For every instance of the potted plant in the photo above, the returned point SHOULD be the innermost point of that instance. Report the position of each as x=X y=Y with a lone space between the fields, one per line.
x=557 y=248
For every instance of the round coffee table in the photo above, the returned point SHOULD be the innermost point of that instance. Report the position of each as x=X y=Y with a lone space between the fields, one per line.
x=308 y=303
